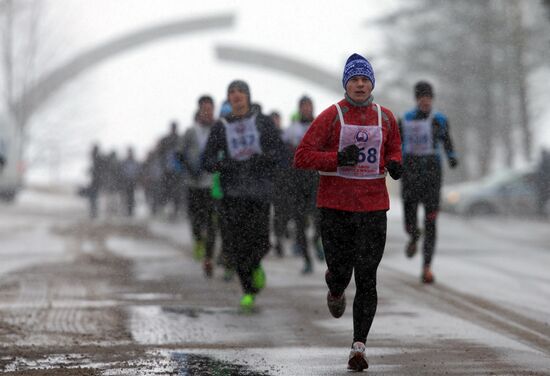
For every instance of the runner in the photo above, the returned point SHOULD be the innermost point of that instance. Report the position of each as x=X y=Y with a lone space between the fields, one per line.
x=245 y=148
x=352 y=144
x=303 y=187
x=282 y=202
x=423 y=131
x=172 y=180
x=97 y=180
x=199 y=183
x=130 y=170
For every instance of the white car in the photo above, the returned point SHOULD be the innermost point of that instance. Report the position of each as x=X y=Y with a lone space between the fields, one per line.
x=508 y=192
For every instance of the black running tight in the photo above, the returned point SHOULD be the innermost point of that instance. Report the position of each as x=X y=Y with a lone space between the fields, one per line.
x=354 y=243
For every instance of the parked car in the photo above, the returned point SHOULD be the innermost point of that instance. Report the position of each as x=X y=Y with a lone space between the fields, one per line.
x=511 y=192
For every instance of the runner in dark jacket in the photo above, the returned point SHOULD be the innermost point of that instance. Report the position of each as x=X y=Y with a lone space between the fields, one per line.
x=245 y=148
x=302 y=185
x=423 y=131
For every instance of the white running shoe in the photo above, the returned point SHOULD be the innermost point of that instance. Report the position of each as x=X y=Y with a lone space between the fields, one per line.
x=357 y=357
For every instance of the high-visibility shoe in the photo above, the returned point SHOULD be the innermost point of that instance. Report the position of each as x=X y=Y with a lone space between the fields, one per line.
x=427 y=275
x=247 y=302
x=357 y=357
x=336 y=305
x=199 y=250
x=208 y=268
x=258 y=278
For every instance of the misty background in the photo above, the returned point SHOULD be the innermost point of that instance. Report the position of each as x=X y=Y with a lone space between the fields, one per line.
x=489 y=62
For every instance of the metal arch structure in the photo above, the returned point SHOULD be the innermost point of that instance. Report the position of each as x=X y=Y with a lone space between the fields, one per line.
x=37 y=95
x=272 y=61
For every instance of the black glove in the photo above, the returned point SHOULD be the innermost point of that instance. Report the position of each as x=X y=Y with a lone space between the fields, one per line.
x=453 y=162
x=395 y=169
x=2 y=161
x=349 y=156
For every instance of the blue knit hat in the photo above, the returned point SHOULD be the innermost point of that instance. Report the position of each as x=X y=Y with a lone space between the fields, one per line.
x=357 y=65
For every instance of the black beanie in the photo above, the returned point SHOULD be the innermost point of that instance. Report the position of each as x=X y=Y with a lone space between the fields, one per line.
x=423 y=89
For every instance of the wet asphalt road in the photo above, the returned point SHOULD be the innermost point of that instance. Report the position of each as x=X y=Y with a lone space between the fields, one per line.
x=125 y=297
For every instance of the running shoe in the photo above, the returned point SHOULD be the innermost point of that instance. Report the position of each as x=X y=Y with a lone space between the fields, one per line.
x=427 y=275
x=247 y=302
x=336 y=305
x=208 y=268
x=411 y=248
x=258 y=278
x=308 y=268
x=357 y=357
x=199 y=250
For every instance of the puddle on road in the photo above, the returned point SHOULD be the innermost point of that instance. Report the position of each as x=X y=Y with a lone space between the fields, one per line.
x=194 y=312
x=161 y=363
x=200 y=365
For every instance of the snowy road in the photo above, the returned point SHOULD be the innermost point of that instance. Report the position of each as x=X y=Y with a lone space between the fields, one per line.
x=124 y=297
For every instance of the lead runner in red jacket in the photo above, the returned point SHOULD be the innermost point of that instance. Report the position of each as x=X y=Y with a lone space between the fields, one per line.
x=352 y=144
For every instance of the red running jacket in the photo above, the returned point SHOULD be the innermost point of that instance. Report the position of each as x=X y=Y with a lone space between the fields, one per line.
x=319 y=151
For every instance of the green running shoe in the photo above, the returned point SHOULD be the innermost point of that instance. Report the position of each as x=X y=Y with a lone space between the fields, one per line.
x=199 y=251
x=247 y=302
x=258 y=278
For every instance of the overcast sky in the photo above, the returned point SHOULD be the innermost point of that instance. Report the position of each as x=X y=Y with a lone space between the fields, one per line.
x=130 y=99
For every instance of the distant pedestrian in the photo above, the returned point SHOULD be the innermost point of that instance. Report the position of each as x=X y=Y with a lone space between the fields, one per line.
x=282 y=198
x=423 y=131
x=112 y=184
x=352 y=144
x=97 y=171
x=172 y=174
x=199 y=183
x=302 y=185
x=151 y=179
x=130 y=169
x=244 y=147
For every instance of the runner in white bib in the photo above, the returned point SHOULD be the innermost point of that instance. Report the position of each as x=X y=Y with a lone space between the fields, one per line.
x=418 y=136
x=243 y=139
x=368 y=139
x=352 y=195
x=425 y=134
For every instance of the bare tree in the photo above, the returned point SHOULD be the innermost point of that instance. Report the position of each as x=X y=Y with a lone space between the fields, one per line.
x=20 y=22
x=480 y=55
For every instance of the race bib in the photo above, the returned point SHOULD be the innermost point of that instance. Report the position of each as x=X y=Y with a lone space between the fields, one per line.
x=368 y=139
x=418 y=136
x=243 y=138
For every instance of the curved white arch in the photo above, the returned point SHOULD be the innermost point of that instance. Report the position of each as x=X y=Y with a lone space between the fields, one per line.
x=273 y=61
x=37 y=95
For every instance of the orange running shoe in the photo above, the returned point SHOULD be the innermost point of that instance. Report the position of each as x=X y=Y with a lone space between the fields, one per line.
x=427 y=275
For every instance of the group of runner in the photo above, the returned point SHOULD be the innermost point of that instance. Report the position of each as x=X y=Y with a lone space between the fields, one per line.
x=340 y=160
x=330 y=170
